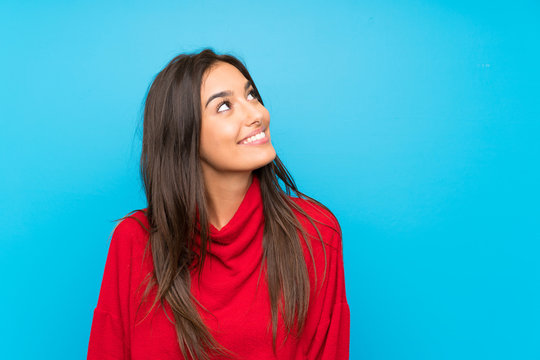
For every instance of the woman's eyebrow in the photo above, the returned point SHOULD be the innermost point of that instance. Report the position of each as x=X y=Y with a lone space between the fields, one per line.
x=225 y=93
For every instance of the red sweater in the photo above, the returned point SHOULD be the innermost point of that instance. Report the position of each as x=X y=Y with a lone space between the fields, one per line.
x=240 y=316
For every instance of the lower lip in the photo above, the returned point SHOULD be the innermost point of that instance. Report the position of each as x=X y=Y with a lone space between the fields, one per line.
x=264 y=140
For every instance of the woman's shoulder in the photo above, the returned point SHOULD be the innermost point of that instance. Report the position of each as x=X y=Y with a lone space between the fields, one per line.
x=326 y=222
x=133 y=228
x=136 y=217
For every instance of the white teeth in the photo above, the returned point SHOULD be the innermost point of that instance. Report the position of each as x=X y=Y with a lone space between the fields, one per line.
x=254 y=137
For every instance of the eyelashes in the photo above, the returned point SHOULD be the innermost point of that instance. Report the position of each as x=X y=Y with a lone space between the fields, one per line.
x=228 y=103
x=252 y=91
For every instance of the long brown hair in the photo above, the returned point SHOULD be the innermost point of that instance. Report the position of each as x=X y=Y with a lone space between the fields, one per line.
x=173 y=182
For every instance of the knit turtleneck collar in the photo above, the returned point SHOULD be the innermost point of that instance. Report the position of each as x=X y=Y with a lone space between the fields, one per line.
x=246 y=221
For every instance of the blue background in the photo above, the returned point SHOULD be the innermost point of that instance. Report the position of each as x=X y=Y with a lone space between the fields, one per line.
x=415 y=122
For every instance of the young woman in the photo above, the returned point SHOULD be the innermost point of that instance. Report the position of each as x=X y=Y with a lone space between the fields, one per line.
x=223 y=263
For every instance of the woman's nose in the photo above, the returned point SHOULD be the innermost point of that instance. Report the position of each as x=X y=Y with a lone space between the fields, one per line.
x=253 y=113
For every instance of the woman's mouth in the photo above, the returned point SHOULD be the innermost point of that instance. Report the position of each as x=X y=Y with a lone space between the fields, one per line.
x=256 y=139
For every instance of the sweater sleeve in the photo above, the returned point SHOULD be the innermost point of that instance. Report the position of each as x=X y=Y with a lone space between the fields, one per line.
x=109 y=335
x=331 y=314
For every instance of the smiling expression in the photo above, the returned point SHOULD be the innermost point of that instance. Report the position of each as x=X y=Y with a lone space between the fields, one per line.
x=235 y=129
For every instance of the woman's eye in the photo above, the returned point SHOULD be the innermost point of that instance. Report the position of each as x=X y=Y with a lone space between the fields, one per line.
x=226 y=103
x=252 y=93
x=220 y=108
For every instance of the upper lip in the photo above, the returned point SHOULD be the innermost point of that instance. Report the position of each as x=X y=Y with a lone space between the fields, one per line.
x=254 y=132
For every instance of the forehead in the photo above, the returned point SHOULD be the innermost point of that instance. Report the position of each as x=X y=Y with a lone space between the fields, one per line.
x=221 y=76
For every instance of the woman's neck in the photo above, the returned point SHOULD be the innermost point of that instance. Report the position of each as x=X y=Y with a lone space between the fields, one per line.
x=224 y=194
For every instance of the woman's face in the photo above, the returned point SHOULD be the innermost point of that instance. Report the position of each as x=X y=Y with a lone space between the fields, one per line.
x=230 y=114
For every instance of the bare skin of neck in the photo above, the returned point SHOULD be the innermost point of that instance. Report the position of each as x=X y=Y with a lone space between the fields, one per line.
x=224 y=194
